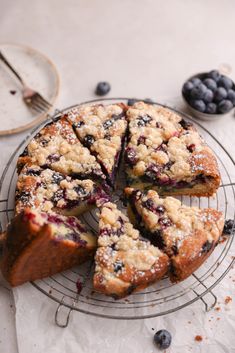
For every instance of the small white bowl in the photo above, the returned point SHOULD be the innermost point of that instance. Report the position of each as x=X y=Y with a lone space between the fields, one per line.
x=205 y=116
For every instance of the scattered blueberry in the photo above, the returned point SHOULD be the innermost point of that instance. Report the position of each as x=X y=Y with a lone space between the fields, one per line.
x=198 y=91
x=196 y=81
x=220 y=94
x=225 y=82
x=211 y=108
x=229 y=226
x=102 y=88
x=231 y=96
x=88 y=140
x=208 y=96
x=225 y=106
x=210 y=83
x=215 y=75
x=187 y=87
x=199 y=105
x=162 y=339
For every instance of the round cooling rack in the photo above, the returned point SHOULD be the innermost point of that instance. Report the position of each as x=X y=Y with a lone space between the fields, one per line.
x=159 y=299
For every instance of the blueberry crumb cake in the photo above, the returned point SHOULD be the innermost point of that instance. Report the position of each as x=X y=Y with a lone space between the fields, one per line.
x=101 y=128
x=47 y=190
x=187 y=235
x=166 y=153
x=71 y=166
x=124 y=262
x=40 y=244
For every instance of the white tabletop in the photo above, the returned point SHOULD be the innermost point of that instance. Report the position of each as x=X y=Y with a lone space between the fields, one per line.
x=144 y=49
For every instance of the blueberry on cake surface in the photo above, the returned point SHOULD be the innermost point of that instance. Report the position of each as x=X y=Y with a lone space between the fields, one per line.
x=57 y=147
x=47 y=190
x=39 y=244
x=124 y=262
x=166 y=153
x=186 y=234
x=101 y=128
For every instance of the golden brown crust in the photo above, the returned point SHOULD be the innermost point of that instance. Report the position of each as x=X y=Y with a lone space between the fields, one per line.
x=31 y=251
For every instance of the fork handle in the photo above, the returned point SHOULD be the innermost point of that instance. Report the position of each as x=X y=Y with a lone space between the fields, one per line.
x=3 y=58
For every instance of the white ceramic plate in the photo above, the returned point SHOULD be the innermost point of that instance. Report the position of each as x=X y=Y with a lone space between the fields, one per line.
x=38 y=72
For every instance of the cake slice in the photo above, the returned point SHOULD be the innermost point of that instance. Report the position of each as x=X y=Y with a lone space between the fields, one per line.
x=188 y=235
x=40 y=244
x=57 y=147
x=124 y=262
x=167 y=154
x=101 y=128
x=47 y=190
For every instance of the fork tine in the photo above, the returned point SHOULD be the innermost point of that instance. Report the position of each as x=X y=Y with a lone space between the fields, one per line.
x=35 y=102
x=36 y=108
x=42 y=100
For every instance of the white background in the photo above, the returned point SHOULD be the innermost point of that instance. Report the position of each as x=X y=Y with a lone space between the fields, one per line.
x=144 y=49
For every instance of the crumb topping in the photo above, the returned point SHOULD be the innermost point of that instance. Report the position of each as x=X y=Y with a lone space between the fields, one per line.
x=119 y=241
x=161 y=147
x=57 y=146
x=101 y=128
x=48 y=190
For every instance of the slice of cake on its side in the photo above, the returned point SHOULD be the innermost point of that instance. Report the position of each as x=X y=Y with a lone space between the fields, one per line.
x=47 y=190
x=124 y=262
x=102 y=129
x=57 y=147
x=167 y=154
x=188 y=235
x=39 y=245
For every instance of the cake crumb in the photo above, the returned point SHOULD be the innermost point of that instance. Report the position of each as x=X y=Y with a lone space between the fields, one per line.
x=217 y=308
x=189 y=322
x=228 y=299
x=198 y=338
x=12 y=92
x=218 y=318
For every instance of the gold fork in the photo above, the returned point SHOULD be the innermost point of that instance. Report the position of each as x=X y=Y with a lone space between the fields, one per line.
x=32 y=99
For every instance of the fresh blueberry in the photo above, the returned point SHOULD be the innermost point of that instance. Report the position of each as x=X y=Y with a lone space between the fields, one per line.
x=210 y=83
x=199 y=105
x=162 y=339
x=78 y=124
x=149 y=204
x=220 y=94
x=229 y=226
x=225 y=82
x=160 y=209
x=215 y=75
x=195 y=81
x=33 y=172
x=88 y=140
x=211 y=108
x=231 y=96
x=225 y=106
x=187 y=87
x=148 y=101
x=185 y=124
x=118 y=265
x=208 y=96
x=164 y=222
x=198 y=91
x=132 y=101
x=102 y=88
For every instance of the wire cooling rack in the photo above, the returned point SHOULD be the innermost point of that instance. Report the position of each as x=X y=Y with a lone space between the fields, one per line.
x=159 y=299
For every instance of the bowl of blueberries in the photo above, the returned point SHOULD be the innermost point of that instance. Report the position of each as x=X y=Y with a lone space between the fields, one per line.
x=209 y=95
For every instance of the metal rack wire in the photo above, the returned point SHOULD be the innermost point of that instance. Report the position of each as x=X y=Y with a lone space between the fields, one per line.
x=159 y=299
